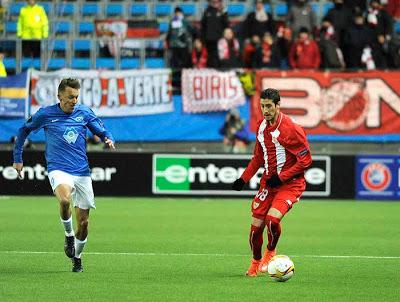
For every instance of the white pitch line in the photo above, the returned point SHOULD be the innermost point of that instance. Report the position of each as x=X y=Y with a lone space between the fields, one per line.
x=204 y=255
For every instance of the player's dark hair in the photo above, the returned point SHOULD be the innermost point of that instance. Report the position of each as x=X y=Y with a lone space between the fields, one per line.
x=69 y=82
x=271 y=94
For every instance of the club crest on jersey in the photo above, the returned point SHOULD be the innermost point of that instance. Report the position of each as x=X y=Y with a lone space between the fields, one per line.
x=70 y=135
x=255 y=205
x=274 y=135
x=79 y=119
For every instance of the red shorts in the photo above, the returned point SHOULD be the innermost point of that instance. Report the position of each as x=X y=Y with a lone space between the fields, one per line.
x=281 y=198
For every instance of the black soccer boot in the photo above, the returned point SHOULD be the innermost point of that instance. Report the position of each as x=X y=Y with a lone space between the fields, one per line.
x=69 y=246
x=77 y=265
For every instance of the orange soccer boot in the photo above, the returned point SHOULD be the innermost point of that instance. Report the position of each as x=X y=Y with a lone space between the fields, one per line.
x=253 y=269
x=263 y=267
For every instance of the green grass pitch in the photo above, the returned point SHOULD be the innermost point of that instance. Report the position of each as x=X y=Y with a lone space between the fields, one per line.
x=175 y=249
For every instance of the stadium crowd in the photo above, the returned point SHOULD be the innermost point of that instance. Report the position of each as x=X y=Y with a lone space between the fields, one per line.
x=354 y=34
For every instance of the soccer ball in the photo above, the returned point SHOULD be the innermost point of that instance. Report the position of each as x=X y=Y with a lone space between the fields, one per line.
x=281 y=268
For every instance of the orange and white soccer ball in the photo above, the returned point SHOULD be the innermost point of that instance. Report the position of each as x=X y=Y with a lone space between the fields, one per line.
x=281 y=268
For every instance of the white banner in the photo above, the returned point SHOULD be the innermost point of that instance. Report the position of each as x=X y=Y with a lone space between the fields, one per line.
x=206 y=90
x=109 y=93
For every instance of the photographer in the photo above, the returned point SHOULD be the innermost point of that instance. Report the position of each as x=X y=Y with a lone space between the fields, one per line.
x=235 y=132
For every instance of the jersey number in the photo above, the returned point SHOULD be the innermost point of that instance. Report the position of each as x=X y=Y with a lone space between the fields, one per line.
x=262 y=195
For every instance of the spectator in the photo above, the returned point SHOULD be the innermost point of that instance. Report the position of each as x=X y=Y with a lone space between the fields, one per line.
x=394 y=52
x=284 y=43
x=304 y=53
x=341 y=17
x=250 y=50
x=331 y=55
x=228 y=50
x=213 y=23
x=32 y=27
x=301 y=15
x=393 y=8
x=179 y=40
x=258 y=22
x=267 y=55
x=357 y=39
x=356 y=6
x=199 y=54
x=3 y=72
x=235 y=132
x=381 y=23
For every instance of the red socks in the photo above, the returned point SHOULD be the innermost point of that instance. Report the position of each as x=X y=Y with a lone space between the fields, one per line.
x=256 y=241
x=274 y=231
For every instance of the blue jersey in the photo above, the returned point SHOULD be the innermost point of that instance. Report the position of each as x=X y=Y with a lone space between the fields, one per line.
x=65 y=137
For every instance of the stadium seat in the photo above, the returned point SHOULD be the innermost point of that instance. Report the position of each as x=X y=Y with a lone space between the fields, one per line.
x=90 y=9
x=30 y=63
x=15 y=8
x=188 y=9
x=115 y=10
x=154 y=63
x=56 y=63
x=48 y=7
x=163 y=27
x=267 y=8
x=11 y=27
x=80 y=63
x=281 y=9
x=82 y=45
x=236 y=9
x=315 y=7
x=10 y=63
x=58 y=45
x=106 y=63
x=139 y=9
x=327 y=7
x=62 y=27
x=130 y=63
x=85 y=28
x=65 y=9
x=397 y=27
x=162 y=10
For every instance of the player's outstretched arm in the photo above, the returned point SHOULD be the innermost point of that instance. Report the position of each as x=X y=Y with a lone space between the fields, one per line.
x=96 y=126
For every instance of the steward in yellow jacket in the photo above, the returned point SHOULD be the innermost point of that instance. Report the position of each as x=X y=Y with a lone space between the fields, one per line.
x=32 y=22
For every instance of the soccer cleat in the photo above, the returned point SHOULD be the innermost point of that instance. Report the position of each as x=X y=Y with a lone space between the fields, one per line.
x=69 y=246
x=263 y=267
x=252 y=271
x=77 y=265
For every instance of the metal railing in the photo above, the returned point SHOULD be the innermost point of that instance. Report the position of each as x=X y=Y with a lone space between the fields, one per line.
x=70 y=51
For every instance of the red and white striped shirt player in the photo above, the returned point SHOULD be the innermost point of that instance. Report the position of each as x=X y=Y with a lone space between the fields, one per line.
x=283 y=150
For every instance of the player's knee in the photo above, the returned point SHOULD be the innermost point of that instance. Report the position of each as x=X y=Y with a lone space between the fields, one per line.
x=272 y=220
x=65 y=202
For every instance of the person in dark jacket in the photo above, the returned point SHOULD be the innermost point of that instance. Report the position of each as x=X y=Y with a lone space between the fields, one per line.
x=258 y=22
x=213 y=23
x=357 y=39
x=331 y=55
x=267 y=55
x=381 y=24
x=341 y=17
x=179 y=40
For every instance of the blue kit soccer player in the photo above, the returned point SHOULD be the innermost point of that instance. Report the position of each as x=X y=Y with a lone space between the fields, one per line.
x=65 y=125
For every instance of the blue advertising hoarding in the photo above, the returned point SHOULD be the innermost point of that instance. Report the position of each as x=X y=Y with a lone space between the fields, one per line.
x=377 y=177
x=13 y=95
